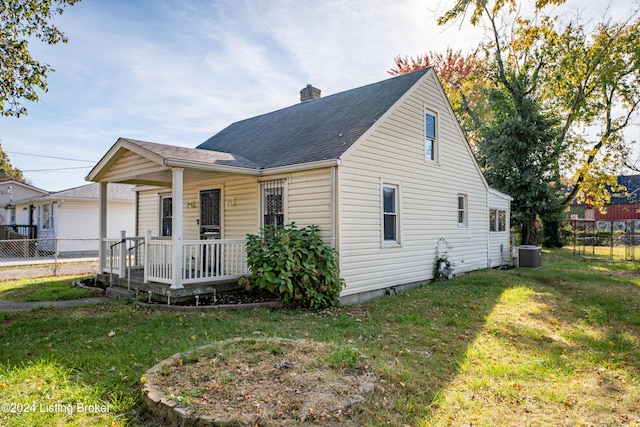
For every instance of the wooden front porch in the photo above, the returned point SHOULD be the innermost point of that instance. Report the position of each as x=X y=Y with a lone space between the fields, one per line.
x=147 y=264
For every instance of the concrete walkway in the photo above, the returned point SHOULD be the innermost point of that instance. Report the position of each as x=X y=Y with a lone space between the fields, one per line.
x=18 y=306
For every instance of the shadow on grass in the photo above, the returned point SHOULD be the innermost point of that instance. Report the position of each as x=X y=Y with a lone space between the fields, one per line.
x=418 y=342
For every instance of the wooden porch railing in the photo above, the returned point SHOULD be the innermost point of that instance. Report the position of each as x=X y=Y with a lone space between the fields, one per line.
x=202 y=260
x=10 y=232
x=207 y=260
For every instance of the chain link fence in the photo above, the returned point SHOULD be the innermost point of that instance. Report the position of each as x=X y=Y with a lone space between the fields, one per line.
x=615 y=239
x=27 y=258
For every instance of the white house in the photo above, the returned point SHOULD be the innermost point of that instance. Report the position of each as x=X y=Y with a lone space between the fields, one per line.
x=12 y=191
x=384 y=170
x=71 y=215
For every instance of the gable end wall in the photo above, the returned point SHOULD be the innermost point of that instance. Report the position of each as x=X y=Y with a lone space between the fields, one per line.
x=394 y=152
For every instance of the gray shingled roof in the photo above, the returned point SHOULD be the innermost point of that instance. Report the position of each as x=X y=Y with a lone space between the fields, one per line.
x=313 y=130
x=122 y=192
x=172 y=152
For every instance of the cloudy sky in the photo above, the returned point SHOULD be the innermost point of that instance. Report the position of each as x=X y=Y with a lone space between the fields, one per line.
x=178 y=71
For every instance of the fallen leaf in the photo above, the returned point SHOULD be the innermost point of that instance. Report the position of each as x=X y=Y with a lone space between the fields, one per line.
x=112 y=333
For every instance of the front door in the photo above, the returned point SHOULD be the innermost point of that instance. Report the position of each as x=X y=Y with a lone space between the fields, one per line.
x=210 y=224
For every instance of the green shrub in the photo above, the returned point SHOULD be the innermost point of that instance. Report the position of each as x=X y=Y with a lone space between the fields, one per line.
x=295 y=264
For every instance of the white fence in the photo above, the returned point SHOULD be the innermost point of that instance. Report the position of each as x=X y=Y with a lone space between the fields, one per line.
x=25 y=258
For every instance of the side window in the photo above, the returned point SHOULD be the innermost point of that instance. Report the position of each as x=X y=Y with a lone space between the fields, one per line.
x=502 y=220
x=462 y=210
x=430 y=141
x=390 y=214
x=497 y=220
x=166 y=214
x=273 y=202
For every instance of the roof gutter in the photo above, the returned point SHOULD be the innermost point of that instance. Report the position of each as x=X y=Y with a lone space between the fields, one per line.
x=190 y=164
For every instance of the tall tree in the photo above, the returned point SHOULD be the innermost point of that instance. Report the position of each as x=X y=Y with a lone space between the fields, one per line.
x=22 y=21
x=583 y=83
x=7 y=171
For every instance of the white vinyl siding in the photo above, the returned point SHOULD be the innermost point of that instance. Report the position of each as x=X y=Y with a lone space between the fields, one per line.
x=131 y=164
x=147 y=215
x=77 y=219
x=308 y=201
x=499 y=239
x=394 y=150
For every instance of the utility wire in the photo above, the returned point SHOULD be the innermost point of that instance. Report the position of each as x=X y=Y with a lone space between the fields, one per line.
x=56 y=169
x=49 y=157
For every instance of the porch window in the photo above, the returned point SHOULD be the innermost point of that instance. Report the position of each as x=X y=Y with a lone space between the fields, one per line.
x=273 y=202
x=166 y=214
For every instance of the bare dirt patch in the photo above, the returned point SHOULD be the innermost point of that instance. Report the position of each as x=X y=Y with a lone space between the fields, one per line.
x=264 y=382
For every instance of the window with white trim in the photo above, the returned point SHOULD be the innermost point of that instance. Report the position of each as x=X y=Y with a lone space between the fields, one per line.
x=502 y=220
x=273 y=202
x=12 y=215
x=46 y=217
x=497 y=220
x=390 y=214
x=430 y=141
x=462 y=210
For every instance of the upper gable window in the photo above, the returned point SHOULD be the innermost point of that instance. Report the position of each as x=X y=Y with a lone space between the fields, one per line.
x=430 y=140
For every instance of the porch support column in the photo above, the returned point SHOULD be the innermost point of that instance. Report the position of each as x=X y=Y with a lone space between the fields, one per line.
x=176 y=227
x=102 y=226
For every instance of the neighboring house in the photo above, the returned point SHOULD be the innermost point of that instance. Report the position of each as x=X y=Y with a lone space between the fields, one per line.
x=622 y=213
x=73 y=214
x=11 y=192
x=384 y=170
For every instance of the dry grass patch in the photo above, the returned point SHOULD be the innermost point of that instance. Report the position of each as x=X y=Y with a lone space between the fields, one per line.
x=260 y=382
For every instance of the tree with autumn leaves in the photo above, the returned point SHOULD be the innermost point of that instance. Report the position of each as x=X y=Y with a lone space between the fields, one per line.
x=544 y=102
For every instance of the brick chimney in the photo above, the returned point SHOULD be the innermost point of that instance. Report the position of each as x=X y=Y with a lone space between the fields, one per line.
x=308 y=93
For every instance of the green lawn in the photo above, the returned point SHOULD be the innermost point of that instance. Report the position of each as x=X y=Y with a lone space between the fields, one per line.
x=553 y=346
x=43 y=289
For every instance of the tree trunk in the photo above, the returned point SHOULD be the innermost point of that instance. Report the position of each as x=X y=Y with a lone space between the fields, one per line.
x=529 y=236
